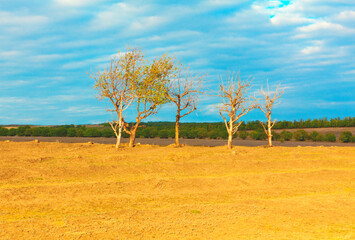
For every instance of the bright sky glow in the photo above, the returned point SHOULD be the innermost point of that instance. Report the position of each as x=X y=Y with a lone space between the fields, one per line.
x=48 y=47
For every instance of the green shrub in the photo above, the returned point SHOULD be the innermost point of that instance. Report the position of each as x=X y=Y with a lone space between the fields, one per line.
x=92 y=132
x=191 y=134
x=71 y=132
x=243 y=135
x=36 y=131
x=79 y=132
x=4 y=131
x=286 y=135
x=313 y=136
x=346 y=137
x=27 y=132
x=21 y=130
x=107 y=133
x=300 y=135
x=164 y=133
x=60 y=132
x=45 y=131
x=213 y=135
x=330 y=137
x=320 y=138
x=12 y=132
x=275 y=136
x=201 y=133
x=258 y=135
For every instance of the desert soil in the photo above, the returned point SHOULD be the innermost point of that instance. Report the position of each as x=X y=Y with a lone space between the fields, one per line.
x=91 y=191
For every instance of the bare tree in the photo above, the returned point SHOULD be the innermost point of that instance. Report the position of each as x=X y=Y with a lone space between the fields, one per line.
x=183 y=92
x=235 y=102
x=270 y=100
x=115 y=85
x=150 y=91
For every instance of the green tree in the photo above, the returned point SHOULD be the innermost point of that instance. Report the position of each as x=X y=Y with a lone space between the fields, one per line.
x=149 y=88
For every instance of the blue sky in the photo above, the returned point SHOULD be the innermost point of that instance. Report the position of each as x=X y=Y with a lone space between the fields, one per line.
x=48 y=47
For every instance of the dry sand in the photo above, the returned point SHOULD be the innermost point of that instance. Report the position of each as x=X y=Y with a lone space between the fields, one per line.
x=91 y=191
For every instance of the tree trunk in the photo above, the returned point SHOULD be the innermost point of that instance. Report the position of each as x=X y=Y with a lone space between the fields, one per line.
x=230 y=138
x=230 y=134
x=132 y=138
x=269 y=135
x=177 y=143
x=118 y=141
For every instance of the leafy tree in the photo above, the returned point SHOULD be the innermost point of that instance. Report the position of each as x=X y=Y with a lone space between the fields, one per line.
x=149 y=89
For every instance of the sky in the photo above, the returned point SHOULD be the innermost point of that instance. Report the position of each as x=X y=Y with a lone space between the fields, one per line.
x=48 y=48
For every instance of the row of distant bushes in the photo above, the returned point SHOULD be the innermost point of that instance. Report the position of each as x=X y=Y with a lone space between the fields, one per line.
x=161 y=132
x=300 y=135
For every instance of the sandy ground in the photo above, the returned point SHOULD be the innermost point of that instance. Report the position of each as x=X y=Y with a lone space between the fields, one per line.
x=166 y=142
x=91 y=191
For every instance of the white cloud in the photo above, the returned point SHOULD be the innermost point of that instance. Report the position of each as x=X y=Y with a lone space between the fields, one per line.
x=322 y=26
x=223 y=3
x=117 y=15
x=283 y=19
x=75 y=3
x=311 y=49
x=8 y=19
x=9 y=54
x=85 y=111
x=147 y=23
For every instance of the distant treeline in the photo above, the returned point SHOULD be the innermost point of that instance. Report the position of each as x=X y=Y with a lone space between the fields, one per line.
x=195 y=130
